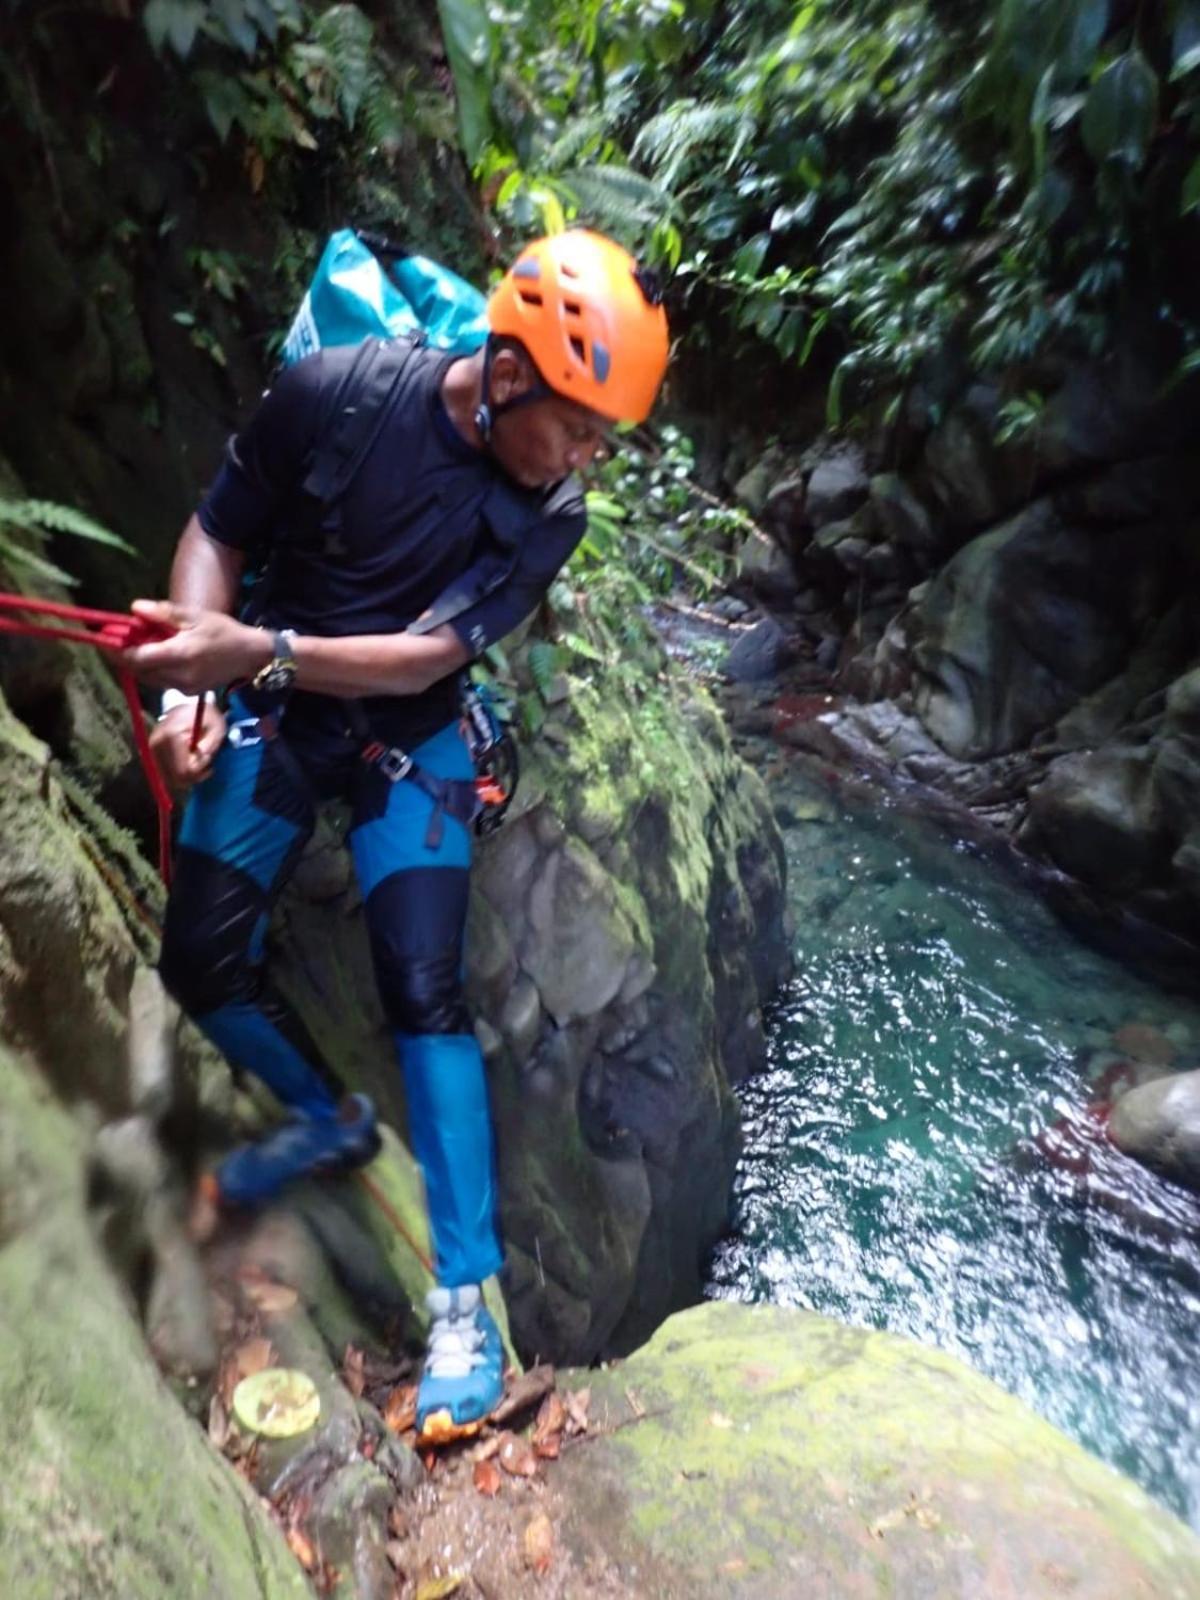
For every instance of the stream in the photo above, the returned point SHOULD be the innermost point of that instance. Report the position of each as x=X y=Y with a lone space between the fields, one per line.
x=925 y=1154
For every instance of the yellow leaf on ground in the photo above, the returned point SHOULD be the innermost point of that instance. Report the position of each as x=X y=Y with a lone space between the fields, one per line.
x=278 y=1402
x=440 y=1588
x=538 y=1544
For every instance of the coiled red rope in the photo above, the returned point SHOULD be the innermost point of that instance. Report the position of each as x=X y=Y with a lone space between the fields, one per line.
x=115 y=632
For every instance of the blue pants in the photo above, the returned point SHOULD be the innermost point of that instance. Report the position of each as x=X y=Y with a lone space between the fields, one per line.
x=243 y=832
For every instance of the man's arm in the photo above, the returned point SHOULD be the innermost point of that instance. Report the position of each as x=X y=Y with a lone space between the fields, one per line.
x=205 y=575
x=211 y=648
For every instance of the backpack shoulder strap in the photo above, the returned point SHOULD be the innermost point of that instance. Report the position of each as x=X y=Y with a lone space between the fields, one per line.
x=509 y=513
x=372 y=385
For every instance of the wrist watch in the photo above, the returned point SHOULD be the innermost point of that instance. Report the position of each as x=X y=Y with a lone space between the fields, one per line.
x=279 y=673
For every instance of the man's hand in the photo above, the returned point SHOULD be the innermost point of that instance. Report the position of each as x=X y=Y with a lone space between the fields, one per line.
x=171 y=742
x=208 y=650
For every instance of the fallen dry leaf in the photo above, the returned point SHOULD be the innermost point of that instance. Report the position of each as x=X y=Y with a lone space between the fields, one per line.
x=720 y=1420
x=551 y=1418
x=301 y=1547
x=440 y=1588
x=549 y=1448
x=352 y=1371
x=218 y=1422
x=265 y=1294
x=400 y=1408
x=577 y=1402
x=487 y=1478
x=253 y=1356
x=538 y=1544
x=485 y=1449
x=517 y=1457
x=635 y=1405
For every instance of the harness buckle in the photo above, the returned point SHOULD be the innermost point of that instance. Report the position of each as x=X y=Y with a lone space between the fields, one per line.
x=395 y=764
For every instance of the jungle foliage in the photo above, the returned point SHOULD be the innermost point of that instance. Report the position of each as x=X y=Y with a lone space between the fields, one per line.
x=868 y=179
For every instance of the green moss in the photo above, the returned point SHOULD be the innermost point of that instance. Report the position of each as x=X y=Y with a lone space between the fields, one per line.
x=788 y=1444
x=108 y=1488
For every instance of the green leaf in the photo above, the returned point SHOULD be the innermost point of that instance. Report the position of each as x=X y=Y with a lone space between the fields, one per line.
x=175 y=22
x=25 y=560
x=749 y=259
x=1122 y=111
x=1086 y=37
x=61 y=519
x=1190 y=198
x=1185 y=41
x=469 y=41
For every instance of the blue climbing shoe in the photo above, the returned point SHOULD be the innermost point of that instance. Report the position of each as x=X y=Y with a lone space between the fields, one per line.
x=464 y=1367
x=255 y=1173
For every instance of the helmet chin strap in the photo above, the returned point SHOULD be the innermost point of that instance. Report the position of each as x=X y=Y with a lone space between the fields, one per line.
x=487 y=414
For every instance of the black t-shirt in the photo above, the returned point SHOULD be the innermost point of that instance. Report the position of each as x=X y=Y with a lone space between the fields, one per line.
x=410 y=523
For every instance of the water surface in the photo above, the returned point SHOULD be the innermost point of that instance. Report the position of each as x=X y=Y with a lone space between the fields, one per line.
x=921 y=1155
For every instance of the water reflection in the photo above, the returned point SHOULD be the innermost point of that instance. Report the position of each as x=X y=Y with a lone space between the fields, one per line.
x=923 y=1156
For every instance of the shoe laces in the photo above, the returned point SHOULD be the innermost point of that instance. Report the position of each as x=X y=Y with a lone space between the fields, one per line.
x=456 y=1340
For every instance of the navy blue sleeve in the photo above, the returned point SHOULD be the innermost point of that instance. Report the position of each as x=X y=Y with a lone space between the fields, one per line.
x=266 y=463
x=545 y=549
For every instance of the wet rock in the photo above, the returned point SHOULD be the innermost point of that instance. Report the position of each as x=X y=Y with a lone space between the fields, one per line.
x=966 y=472
x=1098 y=816
x=784 y=513
x=768 y=570
x=730 y=609
x=577 y=952
x=520 y=1018
x=903 y=518
x=839 y=485
x=753 y=487
x=759 y=653
x=1023 y=623
x=1158 y=1124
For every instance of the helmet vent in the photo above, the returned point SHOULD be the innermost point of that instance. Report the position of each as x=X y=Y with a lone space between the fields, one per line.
x=572 y=308
x=577 y=347
x=568 y=272
x=529 y=297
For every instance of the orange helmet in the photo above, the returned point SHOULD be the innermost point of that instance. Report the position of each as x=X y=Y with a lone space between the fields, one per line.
x=591 y=320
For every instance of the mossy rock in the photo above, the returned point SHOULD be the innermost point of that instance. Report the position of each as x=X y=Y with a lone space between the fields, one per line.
x=783 y=1454
x=109 y=1488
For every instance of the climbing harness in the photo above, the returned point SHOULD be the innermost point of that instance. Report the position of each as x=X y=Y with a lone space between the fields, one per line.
x=480 y=802
x=115 y=632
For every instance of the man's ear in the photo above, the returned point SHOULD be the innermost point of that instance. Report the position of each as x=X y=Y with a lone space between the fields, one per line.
x=512 y=376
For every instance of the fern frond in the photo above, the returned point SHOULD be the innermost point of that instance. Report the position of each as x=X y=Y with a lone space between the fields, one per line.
x=25 y=560
x=345 y=34
x=688 y=127
x=543 y=664
x=622 y=200
x=52 y=518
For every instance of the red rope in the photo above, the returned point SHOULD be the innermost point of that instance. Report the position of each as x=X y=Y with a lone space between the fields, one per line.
x=113 y=631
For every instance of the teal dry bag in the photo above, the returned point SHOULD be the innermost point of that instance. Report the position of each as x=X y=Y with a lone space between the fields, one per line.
x=365 y=287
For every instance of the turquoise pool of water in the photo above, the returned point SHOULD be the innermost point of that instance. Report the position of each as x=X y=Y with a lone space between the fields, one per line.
x=912 y=1160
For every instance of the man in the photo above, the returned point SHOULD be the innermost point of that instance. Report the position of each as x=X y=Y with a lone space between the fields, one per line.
x=344 y=674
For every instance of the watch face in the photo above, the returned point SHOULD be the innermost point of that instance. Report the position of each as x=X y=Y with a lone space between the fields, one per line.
x=276 y=676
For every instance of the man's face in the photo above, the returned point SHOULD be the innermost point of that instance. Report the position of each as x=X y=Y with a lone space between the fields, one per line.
x=545 y=439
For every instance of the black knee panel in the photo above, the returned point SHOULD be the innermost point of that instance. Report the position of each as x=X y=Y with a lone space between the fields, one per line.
x=212 y=916
x=422 y=995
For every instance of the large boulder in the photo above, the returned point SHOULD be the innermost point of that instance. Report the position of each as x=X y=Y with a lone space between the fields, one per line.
x=1158 y=1124
x=755 y=1451
x=1025 y=621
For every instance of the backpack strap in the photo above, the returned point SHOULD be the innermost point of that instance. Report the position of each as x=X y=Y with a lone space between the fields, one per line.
x=368 y=392
x=509 y=513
